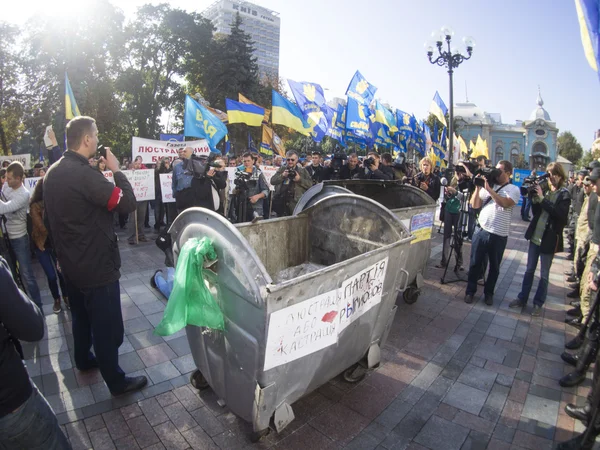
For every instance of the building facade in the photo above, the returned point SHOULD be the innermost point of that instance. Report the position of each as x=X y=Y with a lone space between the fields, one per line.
x=528 y=144
x=260 y=23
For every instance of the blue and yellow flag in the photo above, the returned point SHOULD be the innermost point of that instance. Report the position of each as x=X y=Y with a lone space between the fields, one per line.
x=588 y=14
x=243 y=99
x=200 y=122
x=340 y=117
x=385 y=117
x=332 y=130
x=271 y=142
x=288 y=114
x=237 y=112
x=360 y=89
x=357 y=116
x=309 y=96
x=438 y=108
x=71 y=109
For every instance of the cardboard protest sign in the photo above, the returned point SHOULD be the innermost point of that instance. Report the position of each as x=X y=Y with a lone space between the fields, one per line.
x=142 y=182
x=152 y=151
x=166 y=187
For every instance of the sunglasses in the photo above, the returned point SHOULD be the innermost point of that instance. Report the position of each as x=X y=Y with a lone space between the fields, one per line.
x=292 y=159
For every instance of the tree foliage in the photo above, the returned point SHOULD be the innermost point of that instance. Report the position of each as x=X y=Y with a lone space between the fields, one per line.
x=10 y=97
x=569 y=147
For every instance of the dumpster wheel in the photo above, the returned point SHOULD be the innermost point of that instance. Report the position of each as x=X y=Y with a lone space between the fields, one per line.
x=355 y=373
x=411 y=294
x=198 y=381
x=256 y=436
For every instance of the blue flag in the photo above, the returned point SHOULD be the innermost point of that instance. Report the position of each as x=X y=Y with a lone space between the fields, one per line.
x=200 y=122
x=172 y=137
x=340 y=117
x=309 y=96
x=357 y=116
x=332 y=130
x=360 y=90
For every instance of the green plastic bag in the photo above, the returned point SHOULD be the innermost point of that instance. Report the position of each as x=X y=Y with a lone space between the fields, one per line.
x=190 y=302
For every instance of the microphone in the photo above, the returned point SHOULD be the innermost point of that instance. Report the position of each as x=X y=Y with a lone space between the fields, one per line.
x=444 y=181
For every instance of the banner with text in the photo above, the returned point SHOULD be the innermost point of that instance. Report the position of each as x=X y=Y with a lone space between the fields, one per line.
x=152 y=151
x=142 y=182
x=166 y=187
x=24 y=159
x=316 y=323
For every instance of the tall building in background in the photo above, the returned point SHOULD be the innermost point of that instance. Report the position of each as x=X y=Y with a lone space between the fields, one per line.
x=260 y=23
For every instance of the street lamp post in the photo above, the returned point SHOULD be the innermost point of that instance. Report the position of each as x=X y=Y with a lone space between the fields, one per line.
x=451 y=59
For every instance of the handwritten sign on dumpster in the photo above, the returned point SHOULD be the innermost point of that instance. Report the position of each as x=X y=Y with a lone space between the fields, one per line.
x=421 y=226
x=316 y=323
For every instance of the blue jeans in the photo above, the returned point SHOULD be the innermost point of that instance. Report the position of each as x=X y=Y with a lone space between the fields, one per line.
x=22 y=252
x=533 y=254
x=97 y=321
x=165 y=285
x=47 y=260
x=473 y=213
x=32 y=426
x=490 y=245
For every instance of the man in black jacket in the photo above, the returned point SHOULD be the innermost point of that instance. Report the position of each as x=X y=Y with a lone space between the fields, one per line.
x=80 y=205
x=26 y=419
x=372 y=168
x=351 y=168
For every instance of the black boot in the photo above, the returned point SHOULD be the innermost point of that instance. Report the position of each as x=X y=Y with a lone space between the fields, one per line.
x=570 y=358
x=574 y=343
x=573 y=294
x=585 y=357
x=582 y=413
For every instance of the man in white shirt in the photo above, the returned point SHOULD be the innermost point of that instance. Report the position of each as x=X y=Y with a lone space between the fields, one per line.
x=492 y=229
x=14 y=203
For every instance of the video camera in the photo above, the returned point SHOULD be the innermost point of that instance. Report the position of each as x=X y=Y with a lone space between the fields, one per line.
x=530 y=183
x=241 y=179
x=202 y=165
x=337 y=162
x=490 y=174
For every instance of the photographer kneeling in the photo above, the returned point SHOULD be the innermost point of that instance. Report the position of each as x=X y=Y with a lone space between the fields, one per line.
x=550 y=211
x=291 y=181
x=493 y=225
x=250 y=190
x=371 y=169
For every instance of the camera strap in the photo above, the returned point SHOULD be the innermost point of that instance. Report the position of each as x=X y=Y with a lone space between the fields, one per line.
x=489 y=199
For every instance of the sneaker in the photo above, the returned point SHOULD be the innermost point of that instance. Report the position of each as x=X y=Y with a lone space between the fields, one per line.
x=489 y=299
x=537 y=311
x=56 y=308
x=469 y=298
x=517 y=304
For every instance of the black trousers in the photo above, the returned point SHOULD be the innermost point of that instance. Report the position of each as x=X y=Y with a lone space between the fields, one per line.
x=97 y=321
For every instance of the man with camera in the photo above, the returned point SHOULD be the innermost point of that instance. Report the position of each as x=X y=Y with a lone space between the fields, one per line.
x=80 y=204
x=291 y=181
x=372 y=168
x=14 y=203
x=491 y=232
x=350 y=169
x=250 y=190
x=387 y=166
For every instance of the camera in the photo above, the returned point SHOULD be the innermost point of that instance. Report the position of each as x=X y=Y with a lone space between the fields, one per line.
x=102 y=151
x=240 y=180
x=490 y=174
x=203 y=165
x=292 y=173
x=530 y=183
x=369 y=162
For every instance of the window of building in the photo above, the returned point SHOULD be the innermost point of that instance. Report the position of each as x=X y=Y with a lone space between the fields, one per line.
x=540 y=147
x=243 y=9
x=540 y=132
x=499 y=154
x=237 y=7
x=254 y=13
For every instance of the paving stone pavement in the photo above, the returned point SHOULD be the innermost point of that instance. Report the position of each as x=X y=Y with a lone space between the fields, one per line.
x=454 y=376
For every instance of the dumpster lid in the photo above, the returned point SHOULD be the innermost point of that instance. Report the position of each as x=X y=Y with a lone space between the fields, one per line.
x=318 y=192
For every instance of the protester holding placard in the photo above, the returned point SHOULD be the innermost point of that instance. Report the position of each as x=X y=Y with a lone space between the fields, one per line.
x=80 y=203
x=137 y=217
x=160 y=208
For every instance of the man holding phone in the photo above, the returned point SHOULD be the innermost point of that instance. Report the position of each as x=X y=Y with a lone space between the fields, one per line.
x=80 y=204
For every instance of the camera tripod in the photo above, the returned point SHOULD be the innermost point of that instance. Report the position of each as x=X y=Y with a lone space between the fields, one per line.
x=457 y=237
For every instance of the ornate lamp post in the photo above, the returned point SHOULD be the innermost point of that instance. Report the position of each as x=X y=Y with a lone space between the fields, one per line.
x=450 y=58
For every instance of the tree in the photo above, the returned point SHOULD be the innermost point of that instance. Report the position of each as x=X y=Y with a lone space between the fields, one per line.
x=588 y=157
x=569 y=147
x=10 y=99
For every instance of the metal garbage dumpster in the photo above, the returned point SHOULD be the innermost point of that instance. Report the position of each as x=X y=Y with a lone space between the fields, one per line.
x=304 y=298
x=414 y=207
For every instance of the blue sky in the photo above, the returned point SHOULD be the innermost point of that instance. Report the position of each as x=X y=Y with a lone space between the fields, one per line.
x=520 y=44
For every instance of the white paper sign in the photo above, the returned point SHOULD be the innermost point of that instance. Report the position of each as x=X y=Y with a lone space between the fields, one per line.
x=152 y=151
x=230 y=177
x=30 y=183
x=142 y=182
x=109 y=176
x=166 y=187
x=268 y=172
x=24 y=159
x=316 y=323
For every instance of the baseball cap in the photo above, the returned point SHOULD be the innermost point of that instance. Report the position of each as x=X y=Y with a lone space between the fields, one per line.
x=593 y=165
x=595 y=175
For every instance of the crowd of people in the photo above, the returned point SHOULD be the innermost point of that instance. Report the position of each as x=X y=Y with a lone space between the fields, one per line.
x=73 y=212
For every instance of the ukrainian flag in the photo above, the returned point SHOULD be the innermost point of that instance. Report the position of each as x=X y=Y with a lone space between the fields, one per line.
x=237 y=112
x=588 y=14
x=71 y=109
x=288 y=114
x=438 y=108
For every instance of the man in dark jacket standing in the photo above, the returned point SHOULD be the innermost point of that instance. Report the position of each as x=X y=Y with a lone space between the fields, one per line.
x=26 y=419
x=80 y=204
